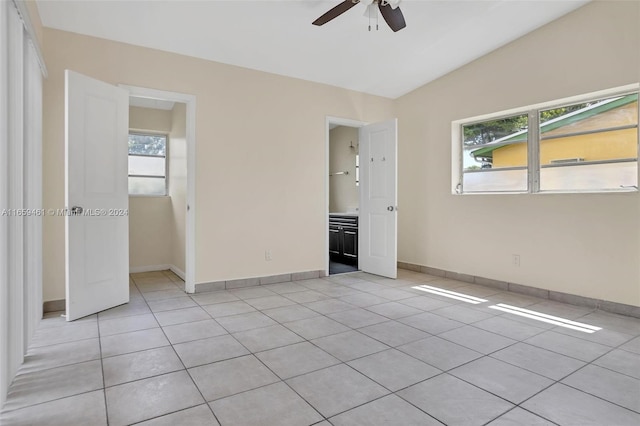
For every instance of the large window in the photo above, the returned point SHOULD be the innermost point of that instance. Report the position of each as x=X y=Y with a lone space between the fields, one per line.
x=571 y=147
x=147 y=164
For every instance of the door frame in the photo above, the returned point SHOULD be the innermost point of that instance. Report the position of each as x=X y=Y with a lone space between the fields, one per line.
x=190 y=237
x=329 y=120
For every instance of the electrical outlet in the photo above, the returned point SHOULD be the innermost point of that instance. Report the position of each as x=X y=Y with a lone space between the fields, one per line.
x=267 y=255
x=515 y=259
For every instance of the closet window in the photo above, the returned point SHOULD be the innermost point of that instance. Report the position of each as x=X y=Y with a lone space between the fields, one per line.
x=147 y=164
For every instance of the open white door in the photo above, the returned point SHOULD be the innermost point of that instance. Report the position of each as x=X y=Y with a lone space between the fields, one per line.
x=378 y=245
x=97 y=227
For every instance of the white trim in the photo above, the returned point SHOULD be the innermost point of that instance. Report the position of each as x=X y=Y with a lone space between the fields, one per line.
x=5 y=375
x=190 y=243
x=329 y=120
x=28 y=26
x=20 y=188
x=33 y=191
x=190 y=235
x=16 y=191
x=179 y=272
x=456 y=158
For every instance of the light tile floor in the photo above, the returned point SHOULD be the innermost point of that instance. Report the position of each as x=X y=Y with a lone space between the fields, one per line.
x=351 y=349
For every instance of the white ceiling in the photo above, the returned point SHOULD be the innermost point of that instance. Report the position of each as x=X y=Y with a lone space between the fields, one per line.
x=277 y=36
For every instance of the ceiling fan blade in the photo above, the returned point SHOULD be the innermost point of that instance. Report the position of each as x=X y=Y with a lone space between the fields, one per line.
x=394 y=17
x=335 y=12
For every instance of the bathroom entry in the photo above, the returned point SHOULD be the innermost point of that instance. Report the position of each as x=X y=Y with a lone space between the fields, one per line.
x=362 y=221
x=344 y=184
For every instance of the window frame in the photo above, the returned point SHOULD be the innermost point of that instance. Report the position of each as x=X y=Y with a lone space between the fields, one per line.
x=166 y=162
x=497 y=116
x=533 y=143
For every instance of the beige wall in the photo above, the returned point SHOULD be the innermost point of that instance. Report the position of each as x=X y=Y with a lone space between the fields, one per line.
x=178 y=184
x=150 y=119
x=150 y=222
x=260 y=154
x=149 y=231
x=256 y=181
x=343 y=192
x=586 y=244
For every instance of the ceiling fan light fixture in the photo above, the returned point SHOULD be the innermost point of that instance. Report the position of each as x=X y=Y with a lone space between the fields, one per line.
x=393 y=3
x=388 y=8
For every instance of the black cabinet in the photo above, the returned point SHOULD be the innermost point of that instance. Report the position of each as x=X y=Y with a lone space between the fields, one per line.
x=343 y=239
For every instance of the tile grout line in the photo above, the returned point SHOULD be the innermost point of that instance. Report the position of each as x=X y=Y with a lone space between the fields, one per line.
x=309 y=372
x=521 y=408
x=398 y=301
x=567 y=356
x=346 y=363
x=341 y=362
x=54 y=399
x=185 y=369
x=489 y=355
x=559 y=382
x=596 y=365
x=68 y=365
x=261 y=362
x=104 y=387
x=267 y=367
x=445 y=372
x=611 y=349
x=102 y=366
x=281 y=381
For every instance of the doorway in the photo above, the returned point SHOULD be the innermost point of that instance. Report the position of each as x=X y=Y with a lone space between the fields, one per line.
x=343 y=198
x=96 y=188
x=157 y=186
x=366 y=230
x=170 y=118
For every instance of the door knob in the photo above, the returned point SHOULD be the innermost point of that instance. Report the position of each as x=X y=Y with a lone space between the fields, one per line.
x=391 y=208
x=76 y=210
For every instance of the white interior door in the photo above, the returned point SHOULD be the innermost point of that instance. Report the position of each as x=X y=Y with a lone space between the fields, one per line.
x=97 y=235
x=378 y=226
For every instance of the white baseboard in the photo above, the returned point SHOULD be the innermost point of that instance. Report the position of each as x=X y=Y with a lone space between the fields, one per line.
x=178 y=272
x=153 y=268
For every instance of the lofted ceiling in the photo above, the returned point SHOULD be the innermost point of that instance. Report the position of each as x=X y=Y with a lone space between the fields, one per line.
x=277 y=36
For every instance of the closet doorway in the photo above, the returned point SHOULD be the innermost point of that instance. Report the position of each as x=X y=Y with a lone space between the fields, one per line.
x=162 y=183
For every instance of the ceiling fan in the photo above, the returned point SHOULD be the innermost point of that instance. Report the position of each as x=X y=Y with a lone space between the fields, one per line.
x=389 y=10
